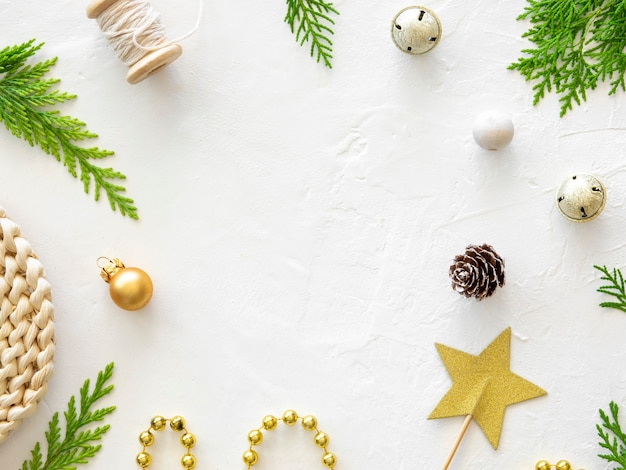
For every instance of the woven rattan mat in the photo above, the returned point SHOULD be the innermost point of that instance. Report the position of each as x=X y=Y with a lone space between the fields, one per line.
x=26 y=328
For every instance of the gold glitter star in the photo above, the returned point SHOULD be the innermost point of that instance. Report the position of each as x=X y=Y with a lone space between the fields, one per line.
x=483 y=386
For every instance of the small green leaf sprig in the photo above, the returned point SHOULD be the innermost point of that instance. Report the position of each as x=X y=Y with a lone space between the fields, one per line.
x=78 y=444
x=616 y=288
x=310 y=20
x=616 y=445
x=578 y=43
x=25 y=101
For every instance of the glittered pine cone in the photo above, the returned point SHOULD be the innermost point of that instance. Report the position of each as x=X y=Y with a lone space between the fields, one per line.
x=477 y=272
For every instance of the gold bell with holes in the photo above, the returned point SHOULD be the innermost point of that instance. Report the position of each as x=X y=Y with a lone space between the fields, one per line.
x=416 y=30
x=581 y=197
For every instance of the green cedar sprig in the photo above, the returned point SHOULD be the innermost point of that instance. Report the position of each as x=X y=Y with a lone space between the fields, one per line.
x=617 y=288
x=310 y=21
x=616 y=445
x=25 y=101
x=78 y=444
x=578 y=43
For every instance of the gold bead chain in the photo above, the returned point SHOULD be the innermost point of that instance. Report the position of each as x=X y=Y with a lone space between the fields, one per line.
x=560 y=465
x=158 y=423
x=290 y=417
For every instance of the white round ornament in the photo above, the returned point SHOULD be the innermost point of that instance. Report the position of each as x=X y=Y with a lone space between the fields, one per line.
x=581 y=197
x=493 y=130
x=416 y=30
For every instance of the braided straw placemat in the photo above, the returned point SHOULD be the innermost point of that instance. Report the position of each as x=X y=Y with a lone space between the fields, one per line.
x=26 y=328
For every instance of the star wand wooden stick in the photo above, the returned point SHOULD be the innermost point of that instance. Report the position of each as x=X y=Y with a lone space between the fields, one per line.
x=482 y=387
x=457 y=442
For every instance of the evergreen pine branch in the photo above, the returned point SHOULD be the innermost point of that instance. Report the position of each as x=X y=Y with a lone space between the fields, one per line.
x=25 y=101
x=310 y=20
x=79 y=443
x=577 y=43
x=616 y=445
x=616 y=288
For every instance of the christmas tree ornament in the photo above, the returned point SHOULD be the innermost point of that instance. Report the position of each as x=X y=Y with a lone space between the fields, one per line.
x=26 y=328
x=581 y=197
x=493 y=130
x=158 y=423
x=416 y=30
x=137 y=36
x=482 y=387
x=309 y=423
x=477 y=272
x=130 y=288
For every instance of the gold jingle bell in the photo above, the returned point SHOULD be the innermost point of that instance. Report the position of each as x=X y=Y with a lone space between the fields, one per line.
x=581 y=197
x=130 y=288
x=416 y=30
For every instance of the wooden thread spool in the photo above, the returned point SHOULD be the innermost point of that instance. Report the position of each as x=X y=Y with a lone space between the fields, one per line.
x=152 y=60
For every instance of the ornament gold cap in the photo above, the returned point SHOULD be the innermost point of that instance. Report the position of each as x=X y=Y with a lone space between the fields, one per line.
x=110 y=268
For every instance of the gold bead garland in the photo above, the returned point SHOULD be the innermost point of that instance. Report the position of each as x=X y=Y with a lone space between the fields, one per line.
x=290 y=417
x=560 y=465
x=158 y=423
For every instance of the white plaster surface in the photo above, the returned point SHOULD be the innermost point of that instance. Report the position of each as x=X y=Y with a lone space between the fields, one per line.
x=298 y=224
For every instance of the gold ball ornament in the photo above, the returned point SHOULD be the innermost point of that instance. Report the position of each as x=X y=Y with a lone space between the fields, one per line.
x=309 y=422
x=188 y=440
x=250 y=457
x=269 y=422
x=255 y=437
x=329 y=459
x=143 y=459
x=146 y=438
x=563 y=465
x=290 y=417
x=188 y=461
x=129 y=288
x=543 y=465
x=322 y=439
x=158 y=423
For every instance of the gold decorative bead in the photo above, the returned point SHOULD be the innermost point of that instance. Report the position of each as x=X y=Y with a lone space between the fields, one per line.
x=143 y=459
x=543 y=465
x=269 y=422
x=321 y=439
x=146 y=438
x=250 y=457
x=158 y=423
x=188 y=461
x=290 y=417
x=563 y=465
x=255 y=437
x=329 y=459
x=177 y=423
x=188 y=440
x=309 y=422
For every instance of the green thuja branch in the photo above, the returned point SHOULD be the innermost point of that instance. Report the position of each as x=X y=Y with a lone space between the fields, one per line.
x=25 y=110
x=616 y=288
x=310 y=21
x=577 y=43
x=78 y=444
x=616 y=445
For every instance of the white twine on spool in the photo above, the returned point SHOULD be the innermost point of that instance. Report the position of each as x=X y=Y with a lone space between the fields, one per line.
x=136 y=34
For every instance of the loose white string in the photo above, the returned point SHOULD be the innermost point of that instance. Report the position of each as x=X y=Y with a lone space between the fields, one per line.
x=134 y=28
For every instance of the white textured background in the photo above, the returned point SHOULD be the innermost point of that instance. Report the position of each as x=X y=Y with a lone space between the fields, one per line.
x=298 y=224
